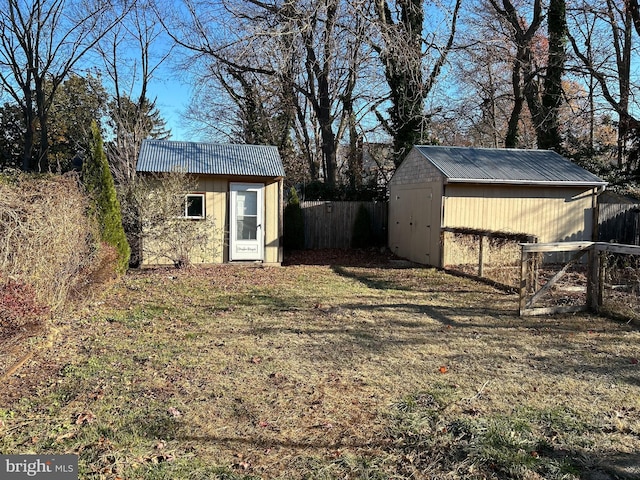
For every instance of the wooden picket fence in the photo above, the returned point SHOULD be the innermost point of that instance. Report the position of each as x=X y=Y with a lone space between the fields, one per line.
x=329 y=224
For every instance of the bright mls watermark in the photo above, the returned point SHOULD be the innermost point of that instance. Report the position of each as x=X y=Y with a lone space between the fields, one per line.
x=39 y=467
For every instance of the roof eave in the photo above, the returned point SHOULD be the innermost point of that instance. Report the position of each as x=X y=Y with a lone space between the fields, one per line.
x=536 y=183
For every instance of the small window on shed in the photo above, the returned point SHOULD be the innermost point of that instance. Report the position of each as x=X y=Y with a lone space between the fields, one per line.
x=194 y=206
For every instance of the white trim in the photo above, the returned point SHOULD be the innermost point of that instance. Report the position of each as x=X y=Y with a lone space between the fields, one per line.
x=204 y=206
x=252 y=248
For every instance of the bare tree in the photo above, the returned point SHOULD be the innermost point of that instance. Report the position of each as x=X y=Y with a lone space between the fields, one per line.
x=132 y=54
x=601 y=39
x=402 y=49
x=41 y=41
x=300 y=53
x=524 y=72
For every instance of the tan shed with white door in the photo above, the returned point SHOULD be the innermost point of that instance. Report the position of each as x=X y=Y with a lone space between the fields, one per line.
x=239 y=188
x=532 y=192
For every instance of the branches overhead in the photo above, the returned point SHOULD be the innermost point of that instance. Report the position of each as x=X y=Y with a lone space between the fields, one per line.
x=41 y=42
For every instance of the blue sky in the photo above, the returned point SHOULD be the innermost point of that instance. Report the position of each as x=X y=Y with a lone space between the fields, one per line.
x=172 y=98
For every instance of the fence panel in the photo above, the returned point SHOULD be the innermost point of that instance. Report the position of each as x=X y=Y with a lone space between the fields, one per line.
x=330 y=224
x=619 y=222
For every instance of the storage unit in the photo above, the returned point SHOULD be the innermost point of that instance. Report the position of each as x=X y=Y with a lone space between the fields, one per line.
x=533 y=192
x=240 y=186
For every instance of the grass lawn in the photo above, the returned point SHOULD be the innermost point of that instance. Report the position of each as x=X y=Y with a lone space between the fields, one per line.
x=326 y=372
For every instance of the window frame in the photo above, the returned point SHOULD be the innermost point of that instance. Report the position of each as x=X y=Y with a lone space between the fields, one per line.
x=203 y=197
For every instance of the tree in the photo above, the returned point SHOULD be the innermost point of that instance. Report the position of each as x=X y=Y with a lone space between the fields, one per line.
x=523 y=71
x=552 y=97
x=293 y=60
x=41 y=41
x=132 y=53
x=77 y=103
x=402 y=48
x=98 y=181
x=601 y=39
x=11 y=136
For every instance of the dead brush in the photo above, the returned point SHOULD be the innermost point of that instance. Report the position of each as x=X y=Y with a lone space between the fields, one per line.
x=46 y=240
x=499 y=261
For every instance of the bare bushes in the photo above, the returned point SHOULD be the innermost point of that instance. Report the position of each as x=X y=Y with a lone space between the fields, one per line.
x=494 y=256
x=47 y=244
x=156 y=206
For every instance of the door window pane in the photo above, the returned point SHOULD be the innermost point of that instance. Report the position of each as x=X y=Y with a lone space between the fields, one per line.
x=247 y=203
x=246 y=215
x=246 y=228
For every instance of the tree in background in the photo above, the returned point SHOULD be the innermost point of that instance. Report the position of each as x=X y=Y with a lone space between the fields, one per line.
x=132 y=53
x=11 y=136
x=78 y=101
x=293 y=223
x=402 y=48
x=41 y=42
x=98 y=181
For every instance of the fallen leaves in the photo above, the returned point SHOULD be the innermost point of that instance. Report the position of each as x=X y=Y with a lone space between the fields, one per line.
x=174 y=412
x=84 y=418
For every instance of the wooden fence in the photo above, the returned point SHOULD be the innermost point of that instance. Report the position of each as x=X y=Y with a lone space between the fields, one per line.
x=593 y=285
x=330 y=224
x=619 y=222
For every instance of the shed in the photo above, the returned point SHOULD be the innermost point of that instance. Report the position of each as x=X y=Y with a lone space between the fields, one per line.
x=238 y=186
x=532 y=192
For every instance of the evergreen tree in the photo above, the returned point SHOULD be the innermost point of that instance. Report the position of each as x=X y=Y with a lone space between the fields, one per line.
x=99 y=183
x=293 y=223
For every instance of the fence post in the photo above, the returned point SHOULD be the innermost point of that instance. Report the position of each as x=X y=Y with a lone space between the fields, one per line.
x=481 y=256
x=523 y=280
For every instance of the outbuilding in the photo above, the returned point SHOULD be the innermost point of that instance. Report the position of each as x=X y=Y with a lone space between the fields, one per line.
x=240 y=187
x=532 y=192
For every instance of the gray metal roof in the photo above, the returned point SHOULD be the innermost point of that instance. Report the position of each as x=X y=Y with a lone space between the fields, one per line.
x=160 y=156
x=507 y=166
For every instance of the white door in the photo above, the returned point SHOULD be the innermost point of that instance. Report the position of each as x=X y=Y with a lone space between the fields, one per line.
x=247 y=215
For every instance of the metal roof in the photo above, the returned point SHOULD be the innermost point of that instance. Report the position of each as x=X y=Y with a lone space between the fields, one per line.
x=160 y=156
x=507 y=166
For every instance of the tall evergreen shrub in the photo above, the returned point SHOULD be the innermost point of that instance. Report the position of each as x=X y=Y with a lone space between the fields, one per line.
x=362 y=236
x=293 y=223
x=98 y=181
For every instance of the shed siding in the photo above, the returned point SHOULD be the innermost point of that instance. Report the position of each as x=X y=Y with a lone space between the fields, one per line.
x=552 y=214
x=271 y=214
x=216 y=190
x=415 y=170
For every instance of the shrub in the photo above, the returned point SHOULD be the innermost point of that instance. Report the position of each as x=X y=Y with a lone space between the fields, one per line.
x=362 y=236
x=98 y=181
x=18 y=306
x=293 y=223
x=164 y=232
x=46 y=239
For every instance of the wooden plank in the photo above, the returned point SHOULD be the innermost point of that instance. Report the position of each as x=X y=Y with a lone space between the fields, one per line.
x=556 y=246
x=553 y=310
x=618 y=248
x=523 y=282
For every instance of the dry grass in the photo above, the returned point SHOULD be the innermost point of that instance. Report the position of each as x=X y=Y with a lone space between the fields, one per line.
x=327 y=372
x=501 y=257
